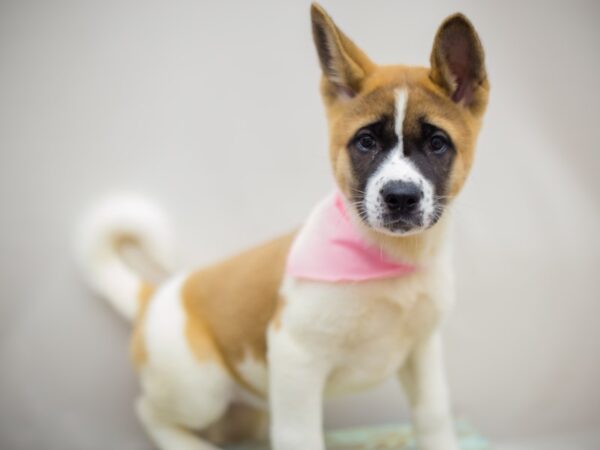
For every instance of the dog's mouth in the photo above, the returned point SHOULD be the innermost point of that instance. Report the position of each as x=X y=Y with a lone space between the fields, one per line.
x=397 y=223
x=402 y=224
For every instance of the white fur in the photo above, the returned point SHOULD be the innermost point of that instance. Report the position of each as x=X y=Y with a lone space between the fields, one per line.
x=397 y=167
x=101 y=230
x=255 y=372
x=167 y=435
x=400 y=110
x=423 y=378
x=179 y=390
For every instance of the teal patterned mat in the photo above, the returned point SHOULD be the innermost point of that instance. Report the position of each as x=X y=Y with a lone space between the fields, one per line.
x=385 y=437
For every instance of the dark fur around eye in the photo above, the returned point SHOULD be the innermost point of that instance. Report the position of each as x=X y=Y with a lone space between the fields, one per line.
x=375 y=137
x=435 y=139
x=438 y=143
x=366 y=142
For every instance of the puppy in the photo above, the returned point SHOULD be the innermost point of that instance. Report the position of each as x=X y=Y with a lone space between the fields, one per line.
x=354 y=297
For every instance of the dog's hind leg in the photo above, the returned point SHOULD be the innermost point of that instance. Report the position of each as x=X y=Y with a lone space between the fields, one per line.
x=167 y=435
x=186 y=386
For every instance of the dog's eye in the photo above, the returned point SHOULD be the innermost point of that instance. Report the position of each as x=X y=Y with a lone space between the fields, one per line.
x=438 y=143
x=366 y=143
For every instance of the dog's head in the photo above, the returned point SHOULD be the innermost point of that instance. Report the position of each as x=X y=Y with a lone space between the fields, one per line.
x=402 y=139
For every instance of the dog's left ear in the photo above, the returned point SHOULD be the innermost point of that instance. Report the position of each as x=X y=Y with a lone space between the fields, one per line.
x=344 y=65
x=457 y=60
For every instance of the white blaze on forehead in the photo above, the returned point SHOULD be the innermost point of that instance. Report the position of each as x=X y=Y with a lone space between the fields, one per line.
x=401 y=101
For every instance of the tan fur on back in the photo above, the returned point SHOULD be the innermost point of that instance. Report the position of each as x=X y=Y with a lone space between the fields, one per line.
x=235 y=300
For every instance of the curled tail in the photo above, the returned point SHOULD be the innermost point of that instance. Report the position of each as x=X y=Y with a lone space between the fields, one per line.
x=109 y=227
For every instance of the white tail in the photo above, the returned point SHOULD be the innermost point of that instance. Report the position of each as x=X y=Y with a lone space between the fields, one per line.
x=113 y=221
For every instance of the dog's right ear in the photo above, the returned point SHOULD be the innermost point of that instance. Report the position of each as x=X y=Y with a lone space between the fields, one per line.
x=344 y=65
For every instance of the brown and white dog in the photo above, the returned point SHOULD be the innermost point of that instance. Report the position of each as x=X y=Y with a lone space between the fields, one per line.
x=243 y=332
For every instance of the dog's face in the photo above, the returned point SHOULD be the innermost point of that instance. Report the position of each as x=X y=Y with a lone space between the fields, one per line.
x=402 y=139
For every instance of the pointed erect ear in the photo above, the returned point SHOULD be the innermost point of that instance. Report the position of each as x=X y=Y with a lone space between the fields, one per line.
x=457 y=59
x=344 y=65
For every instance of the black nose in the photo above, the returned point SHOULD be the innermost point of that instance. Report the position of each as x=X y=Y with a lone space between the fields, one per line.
x=400 y=196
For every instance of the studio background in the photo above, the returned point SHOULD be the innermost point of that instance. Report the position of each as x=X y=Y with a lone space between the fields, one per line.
x=212 y=110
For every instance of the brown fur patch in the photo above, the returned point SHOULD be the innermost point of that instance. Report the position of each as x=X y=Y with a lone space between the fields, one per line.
x=204 y=347
x=200 y=339
x=137 y=345
x=234 y=301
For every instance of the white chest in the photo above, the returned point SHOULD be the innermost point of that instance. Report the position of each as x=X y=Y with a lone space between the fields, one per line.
x=363 y=331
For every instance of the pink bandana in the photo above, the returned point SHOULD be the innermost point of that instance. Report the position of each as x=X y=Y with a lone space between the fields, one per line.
x=330 y=249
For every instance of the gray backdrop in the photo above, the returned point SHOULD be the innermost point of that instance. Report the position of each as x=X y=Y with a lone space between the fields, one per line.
x=211 y=108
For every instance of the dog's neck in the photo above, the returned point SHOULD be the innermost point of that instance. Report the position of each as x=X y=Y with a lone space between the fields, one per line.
x=419 y=249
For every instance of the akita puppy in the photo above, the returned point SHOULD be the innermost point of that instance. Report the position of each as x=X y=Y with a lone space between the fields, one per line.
x=355 y=296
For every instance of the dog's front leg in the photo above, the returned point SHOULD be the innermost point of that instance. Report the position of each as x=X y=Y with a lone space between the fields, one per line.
x=424 y=380
x=296 y=382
